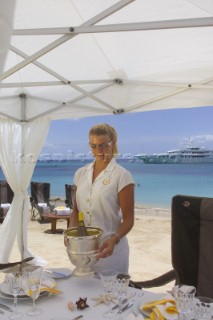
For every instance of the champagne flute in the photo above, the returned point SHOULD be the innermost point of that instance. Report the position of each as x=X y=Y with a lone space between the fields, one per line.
x=32 y=277
x=122 y=282
x=108 y=280
x=184 y=297
x=14 y=282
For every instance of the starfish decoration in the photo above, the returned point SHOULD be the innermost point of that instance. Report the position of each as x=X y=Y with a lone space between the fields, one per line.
x=104 y=298
x=82 y=303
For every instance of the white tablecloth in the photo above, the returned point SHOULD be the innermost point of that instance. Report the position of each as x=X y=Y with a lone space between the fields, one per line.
x=55 y=306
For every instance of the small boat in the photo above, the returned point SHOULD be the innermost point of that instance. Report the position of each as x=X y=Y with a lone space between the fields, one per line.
x=189 y=154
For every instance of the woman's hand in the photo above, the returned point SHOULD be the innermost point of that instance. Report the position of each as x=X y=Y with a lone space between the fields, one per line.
x=107 y=247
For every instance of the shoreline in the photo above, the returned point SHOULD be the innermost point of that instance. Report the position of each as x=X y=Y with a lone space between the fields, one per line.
x=142 y=210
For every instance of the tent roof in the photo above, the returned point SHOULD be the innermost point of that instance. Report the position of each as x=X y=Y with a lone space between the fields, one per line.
x=77 y=58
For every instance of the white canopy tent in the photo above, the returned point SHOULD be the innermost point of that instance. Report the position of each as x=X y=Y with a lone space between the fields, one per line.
x=79 y=58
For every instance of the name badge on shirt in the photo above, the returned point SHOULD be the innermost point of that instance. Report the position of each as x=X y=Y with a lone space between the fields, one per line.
x=106 y=181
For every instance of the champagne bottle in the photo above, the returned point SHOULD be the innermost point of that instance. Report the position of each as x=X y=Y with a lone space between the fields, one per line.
x=81 y=230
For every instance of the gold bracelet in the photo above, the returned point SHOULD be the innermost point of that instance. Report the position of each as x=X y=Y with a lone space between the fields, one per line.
x=117 y=236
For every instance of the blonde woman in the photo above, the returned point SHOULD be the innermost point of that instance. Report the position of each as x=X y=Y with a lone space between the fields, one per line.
x=104 y=191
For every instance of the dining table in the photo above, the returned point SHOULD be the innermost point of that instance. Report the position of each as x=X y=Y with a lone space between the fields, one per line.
x=73 y=288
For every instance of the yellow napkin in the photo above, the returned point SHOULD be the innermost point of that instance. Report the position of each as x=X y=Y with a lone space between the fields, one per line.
x=51 y=290
x=161 y=309
x=47 y=284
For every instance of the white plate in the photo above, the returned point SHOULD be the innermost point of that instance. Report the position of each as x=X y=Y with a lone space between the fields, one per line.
x=10 y=297
x=58 y=273
x=147 y=298
x=5 y=291
x=5 y=294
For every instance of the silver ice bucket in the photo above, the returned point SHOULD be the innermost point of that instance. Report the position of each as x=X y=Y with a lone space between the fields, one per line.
x=82 y=250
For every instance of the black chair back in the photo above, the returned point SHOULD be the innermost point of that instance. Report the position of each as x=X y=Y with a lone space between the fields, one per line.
x=40 y=192
x=192 y=242
x=69 y=192
x=6 y=193
x=6 y=196
x=191 y=246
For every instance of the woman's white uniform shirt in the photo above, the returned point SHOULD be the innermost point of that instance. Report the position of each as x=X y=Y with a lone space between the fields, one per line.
x=100 y=203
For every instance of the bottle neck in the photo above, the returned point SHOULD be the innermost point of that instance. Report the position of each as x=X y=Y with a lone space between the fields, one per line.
x=81 y=217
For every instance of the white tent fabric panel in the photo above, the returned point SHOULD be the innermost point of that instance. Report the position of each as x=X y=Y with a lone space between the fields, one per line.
x=81 y=58
x=179 y=56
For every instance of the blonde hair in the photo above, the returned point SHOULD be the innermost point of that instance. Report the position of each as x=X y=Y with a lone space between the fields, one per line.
x=105 y=129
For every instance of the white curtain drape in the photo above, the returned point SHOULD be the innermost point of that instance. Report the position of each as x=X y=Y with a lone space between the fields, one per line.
x=20 y=146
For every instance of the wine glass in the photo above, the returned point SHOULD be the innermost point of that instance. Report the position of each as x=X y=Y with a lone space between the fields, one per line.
x=203 y=308
x=122 y=282
x=14 y=282
x=32 y=277
x=108 y=279
x=184 y=297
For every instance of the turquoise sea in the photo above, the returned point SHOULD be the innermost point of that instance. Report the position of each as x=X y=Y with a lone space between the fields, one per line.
x=155 y=184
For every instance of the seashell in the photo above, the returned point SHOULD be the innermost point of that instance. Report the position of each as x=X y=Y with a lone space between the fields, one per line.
x=71 y=306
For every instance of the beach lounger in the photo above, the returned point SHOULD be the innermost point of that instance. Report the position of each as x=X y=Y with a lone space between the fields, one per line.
x=69 y=192
x=191 y=245
x=6 y=197
x=40 y=199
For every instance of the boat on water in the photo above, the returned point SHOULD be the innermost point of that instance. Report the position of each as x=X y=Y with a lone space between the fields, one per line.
x=189 y=154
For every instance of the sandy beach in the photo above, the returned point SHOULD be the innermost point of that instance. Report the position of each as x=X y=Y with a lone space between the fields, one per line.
x=149 y=240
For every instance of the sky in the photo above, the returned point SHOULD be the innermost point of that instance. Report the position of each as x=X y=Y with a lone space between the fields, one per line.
x=143 y=132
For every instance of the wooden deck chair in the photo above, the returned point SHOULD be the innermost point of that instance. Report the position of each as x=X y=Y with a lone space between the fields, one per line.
x=191 y=245
x=40 y=199
x=6 y=198
x=69 y=192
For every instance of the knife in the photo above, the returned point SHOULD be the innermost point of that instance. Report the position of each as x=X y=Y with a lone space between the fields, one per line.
x=117 y=305
x=127 y=306
x=123 y=301
x=78 y=317
x=3 y=306
x=56 y=273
